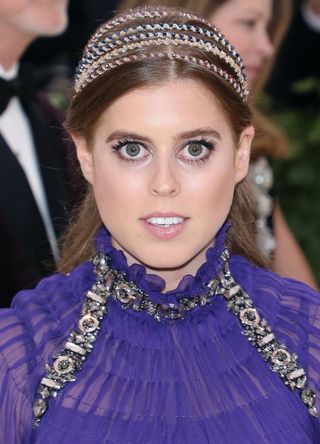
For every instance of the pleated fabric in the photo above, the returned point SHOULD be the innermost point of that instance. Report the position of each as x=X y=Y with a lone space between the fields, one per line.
x=190 y=381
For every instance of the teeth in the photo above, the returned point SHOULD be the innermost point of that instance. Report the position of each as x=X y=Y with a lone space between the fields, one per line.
x=165 y=221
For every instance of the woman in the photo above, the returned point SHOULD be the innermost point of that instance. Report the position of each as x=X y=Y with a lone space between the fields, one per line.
x=172 y=332
x=257 y=29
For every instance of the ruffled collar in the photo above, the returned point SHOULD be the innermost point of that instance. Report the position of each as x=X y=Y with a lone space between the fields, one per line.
x=153 y=284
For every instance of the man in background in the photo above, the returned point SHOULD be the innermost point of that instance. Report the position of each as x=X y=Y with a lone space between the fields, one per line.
x=34 y=182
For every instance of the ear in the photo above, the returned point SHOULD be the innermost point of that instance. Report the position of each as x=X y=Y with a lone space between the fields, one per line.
x=84 y=155
x=242 y=159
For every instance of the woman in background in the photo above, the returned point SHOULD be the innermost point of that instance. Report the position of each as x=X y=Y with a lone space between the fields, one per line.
x=257 y=29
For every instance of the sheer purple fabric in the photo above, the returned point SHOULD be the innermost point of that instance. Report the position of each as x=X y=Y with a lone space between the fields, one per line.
x=196 y=380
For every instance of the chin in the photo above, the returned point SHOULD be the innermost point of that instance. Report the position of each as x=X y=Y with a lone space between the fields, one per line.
x=164 y=262
x=55 y=27
x=46 y=25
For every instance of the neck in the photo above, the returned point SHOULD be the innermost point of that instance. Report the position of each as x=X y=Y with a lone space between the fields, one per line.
x=12 y=46
x=173 y=276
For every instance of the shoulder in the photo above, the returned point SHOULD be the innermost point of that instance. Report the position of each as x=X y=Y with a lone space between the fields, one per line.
x=30 y=332
x=276 y=295
x=38 y=322
x=291 y=308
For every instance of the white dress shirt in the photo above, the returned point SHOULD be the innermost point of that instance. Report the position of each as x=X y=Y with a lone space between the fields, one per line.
x=15 y=129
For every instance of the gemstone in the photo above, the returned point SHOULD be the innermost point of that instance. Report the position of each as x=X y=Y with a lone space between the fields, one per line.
x=267 y=339
x=44 y=392
x=39 y=408
x=249 y=316
x=75 y=348
x=124 y=293
x=281 y=357
x=232 y=291
x=50 y=383
x=308 y=397
x=63 y=364
x=88 y=323
x=313 y=411
x=296 y=373
x=301 y=382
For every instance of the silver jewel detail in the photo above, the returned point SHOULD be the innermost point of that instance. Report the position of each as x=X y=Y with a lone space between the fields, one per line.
x=68 y=362
x=88 y=323
x=259 y=333
x=261 y=178
x=281 y=357
x=249 y=316
x=63 y=364
x=110 y=282
x=39 y=407
x=75 y=348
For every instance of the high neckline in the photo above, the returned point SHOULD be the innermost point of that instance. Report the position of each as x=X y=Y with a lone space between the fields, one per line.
x=153 y=284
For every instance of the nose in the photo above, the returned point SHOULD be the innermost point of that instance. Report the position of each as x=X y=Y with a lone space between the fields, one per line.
x=264 y=44
x=164 y=179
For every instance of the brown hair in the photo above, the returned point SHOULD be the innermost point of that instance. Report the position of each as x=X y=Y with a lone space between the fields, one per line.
x=269 y=139
x=87 y=106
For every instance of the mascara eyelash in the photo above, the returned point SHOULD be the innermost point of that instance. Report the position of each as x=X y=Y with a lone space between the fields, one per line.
x=121 y=143
x=207 y=144
x=116 y=147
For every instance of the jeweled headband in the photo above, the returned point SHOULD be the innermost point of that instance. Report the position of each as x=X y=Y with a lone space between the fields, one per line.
x=152 y=33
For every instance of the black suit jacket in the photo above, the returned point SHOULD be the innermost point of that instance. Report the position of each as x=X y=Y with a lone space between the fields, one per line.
x=25 y=254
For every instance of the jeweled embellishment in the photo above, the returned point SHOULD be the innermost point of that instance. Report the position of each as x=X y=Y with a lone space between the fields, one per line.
x=109 y=282
x=259 y=333
x=68 y=362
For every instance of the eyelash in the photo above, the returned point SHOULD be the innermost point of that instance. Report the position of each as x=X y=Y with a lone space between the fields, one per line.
x=123 y=142
x=207 y=144
x=120 y=144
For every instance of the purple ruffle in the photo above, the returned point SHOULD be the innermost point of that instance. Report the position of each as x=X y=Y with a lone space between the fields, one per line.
x=196 y=380
x=153 y=284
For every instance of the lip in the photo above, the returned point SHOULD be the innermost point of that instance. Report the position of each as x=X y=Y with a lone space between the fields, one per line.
x=164 y=232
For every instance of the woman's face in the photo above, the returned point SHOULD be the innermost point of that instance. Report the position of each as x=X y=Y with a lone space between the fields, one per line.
x=163 y=166
x=245 y=23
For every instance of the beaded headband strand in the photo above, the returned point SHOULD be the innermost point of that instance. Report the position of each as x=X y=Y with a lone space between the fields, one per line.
x=122 y=40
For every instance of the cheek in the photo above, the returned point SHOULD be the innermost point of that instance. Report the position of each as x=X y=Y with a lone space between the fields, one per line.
x=214 y=190
x=115 y=190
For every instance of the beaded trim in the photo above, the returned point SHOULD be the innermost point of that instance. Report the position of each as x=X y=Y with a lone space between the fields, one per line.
x=133 y=15
x=103 y=53
x=104 y=67
x=112 y=283
x=99 y=55
x=147 y=31
x=260 y=335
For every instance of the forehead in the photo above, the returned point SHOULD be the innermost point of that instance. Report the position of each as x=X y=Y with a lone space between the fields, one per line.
x=170 y=105
x=235 y=7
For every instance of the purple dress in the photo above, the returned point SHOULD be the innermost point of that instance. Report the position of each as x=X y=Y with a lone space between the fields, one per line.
x=193 y=380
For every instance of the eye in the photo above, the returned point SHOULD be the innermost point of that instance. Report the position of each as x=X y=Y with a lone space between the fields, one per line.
x=130 y=150
x=196 y=151
x=248 y=23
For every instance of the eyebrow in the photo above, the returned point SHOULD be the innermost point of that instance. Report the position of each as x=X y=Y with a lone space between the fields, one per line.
x=118 y=134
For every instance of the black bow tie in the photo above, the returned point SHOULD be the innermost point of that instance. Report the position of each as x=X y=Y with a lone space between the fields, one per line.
x=22 y=86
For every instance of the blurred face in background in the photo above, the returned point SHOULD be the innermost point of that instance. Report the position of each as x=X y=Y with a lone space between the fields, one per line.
x=34 y=17
x=245 y=24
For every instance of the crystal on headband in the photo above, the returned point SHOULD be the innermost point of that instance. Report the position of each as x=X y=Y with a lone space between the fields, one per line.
x=128 y=38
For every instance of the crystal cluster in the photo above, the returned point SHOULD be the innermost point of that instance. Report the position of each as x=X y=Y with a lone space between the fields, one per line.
x=259 y=333
x=113 y=283
x=79 y=344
